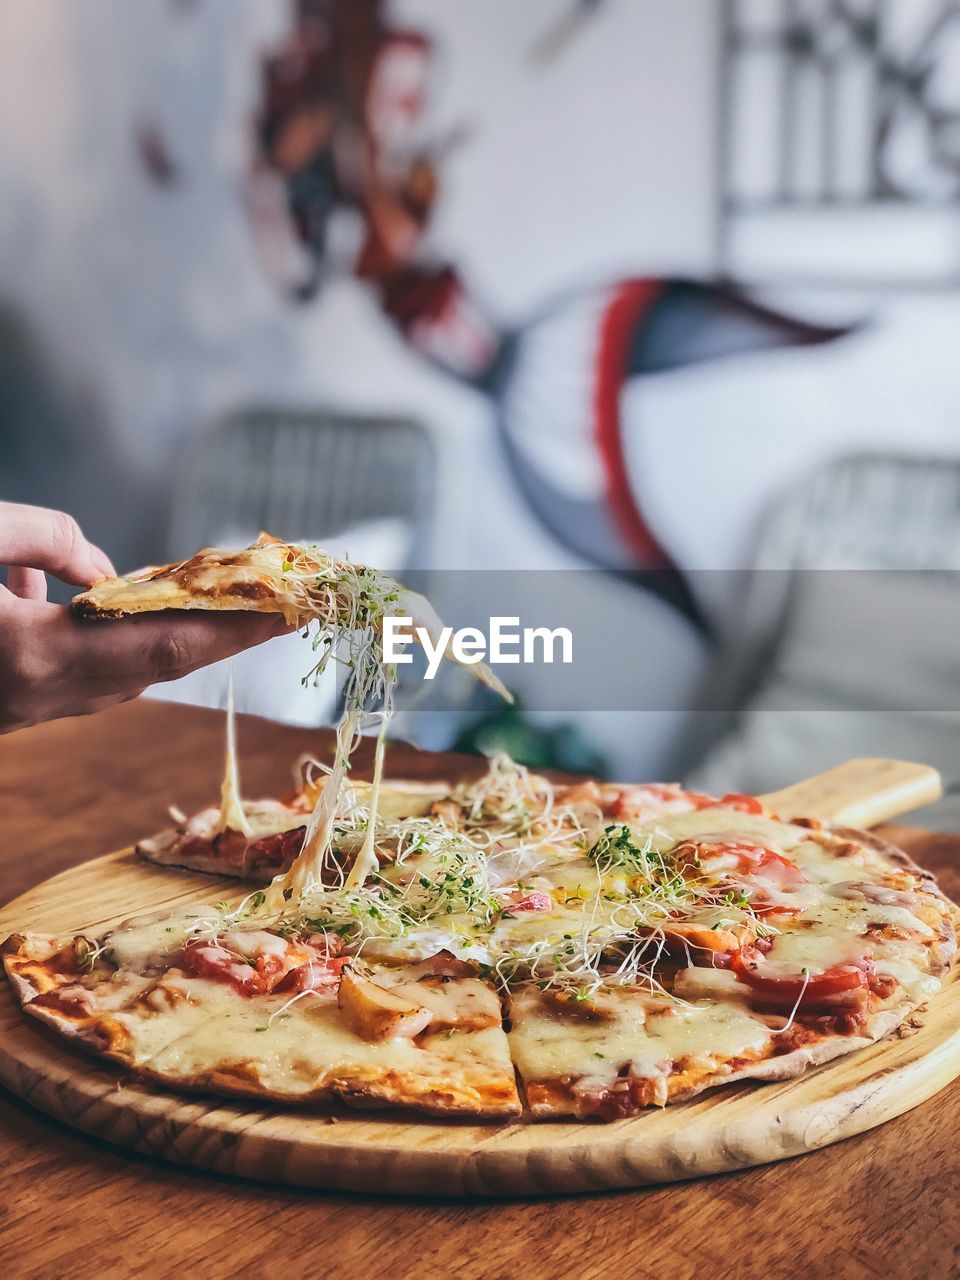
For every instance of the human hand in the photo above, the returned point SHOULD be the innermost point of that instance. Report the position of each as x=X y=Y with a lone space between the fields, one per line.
x=53 y=665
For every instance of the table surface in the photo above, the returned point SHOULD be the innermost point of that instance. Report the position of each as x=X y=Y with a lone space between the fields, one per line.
x=880 y=1204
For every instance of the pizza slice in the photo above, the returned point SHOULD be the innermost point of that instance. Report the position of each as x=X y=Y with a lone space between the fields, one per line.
x=347 y=602
x=806 y=943
x=285 y=1014
x=270 y=576
x=302 y=583
x=266 y=838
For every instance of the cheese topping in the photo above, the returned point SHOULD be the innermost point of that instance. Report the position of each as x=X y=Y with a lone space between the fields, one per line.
x=637 y=932
x=602 y=936
x=303 y=1047
x=147 y=942
x=635 y=1034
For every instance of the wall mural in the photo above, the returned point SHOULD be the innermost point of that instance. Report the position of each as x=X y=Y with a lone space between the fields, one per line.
x=347 y=176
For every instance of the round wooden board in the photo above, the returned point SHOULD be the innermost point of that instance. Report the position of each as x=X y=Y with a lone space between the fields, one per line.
x=732 y=1128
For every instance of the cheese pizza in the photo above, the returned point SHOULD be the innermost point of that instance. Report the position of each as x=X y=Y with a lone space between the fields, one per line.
x=618 y=947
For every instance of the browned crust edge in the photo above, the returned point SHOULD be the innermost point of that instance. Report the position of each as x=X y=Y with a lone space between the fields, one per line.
x=162 y=851
x=496 y=1098
x=87 y=611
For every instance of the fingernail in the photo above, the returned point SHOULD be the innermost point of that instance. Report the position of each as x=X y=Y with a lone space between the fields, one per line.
x=102 y=562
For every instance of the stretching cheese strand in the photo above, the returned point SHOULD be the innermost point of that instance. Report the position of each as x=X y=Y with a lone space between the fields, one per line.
x=232 y=815
x=366 y=860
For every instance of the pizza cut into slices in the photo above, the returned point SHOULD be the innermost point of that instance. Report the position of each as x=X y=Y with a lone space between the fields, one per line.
x=275 y=1015
x=618 y=950
x=269 y=834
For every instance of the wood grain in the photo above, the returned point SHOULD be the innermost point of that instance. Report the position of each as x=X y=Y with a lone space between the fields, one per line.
x=858 y=793
x=882 y=1203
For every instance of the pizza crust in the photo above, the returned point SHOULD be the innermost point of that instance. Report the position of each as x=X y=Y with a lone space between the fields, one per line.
x=563 y=1101
x=167 y=849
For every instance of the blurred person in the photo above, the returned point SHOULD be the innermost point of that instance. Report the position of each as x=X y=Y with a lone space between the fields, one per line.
x=52 y=665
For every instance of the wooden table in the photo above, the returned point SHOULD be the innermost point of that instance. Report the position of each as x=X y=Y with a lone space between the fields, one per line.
x=883 y=1204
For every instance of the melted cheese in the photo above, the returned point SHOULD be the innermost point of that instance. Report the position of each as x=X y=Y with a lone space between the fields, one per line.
x=264 y=817
x=296 y=1048
x=547 y=1045
x=723 y=824
x=146 y=942
x=451 y=1003
x=837 y=933
x=365 y=863
x=420 y=944
x=916 y=983
x=251 y=943
x=232 y=815
x=307 y=869
x=208 y=580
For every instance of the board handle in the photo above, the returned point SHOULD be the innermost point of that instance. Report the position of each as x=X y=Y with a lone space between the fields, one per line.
x=858 y=793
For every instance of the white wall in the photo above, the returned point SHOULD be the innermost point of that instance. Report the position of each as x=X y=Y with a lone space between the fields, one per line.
x=595 y=164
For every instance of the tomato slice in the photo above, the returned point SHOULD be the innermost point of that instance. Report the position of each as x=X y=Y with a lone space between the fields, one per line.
x=754 y=860
x=644 y=796
x=787 y=989
x=211 y=960
x=763 y=906
x=643 y=799
x=533 y=901
x=315 y=975
x=732 y=800
x=746 y=804
x=648 y=797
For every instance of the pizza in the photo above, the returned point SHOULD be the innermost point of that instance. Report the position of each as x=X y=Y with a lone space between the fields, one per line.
x=498 y=948
x=267 y=1014
x=584 y=950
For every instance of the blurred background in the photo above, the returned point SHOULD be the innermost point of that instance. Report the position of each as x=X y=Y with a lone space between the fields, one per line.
x=663 y=292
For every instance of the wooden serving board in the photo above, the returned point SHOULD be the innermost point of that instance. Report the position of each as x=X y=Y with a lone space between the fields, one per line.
x=732 y=1128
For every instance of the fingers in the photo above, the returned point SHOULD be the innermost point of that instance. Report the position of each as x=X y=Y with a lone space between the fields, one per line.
x=138 y=651
x=52 y=664
x=102 y=562
x=28 y=584
x=33 y=537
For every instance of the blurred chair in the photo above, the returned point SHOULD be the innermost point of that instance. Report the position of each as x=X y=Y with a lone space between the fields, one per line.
x=304 y=474
x=847 y=643
x=360 y=486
